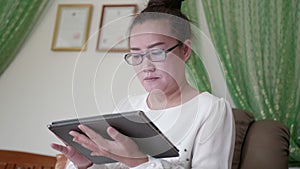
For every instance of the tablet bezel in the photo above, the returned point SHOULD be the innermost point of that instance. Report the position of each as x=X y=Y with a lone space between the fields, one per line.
x=134 y=124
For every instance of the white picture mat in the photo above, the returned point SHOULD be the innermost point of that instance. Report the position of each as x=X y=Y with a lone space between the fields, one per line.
x=72 y=27
x=115 y=19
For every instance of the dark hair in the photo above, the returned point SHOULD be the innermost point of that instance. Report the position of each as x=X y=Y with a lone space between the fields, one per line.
x=169 y=10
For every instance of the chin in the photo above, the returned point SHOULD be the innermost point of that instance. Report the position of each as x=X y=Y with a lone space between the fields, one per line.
x=149 y=87
x=153 y=89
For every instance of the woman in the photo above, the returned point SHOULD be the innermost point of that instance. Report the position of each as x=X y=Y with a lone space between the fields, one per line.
x=198 y=123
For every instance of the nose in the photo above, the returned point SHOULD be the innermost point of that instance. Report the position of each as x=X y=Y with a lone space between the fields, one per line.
x=147 y=65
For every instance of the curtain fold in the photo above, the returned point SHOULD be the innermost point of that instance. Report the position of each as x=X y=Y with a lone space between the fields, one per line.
x=258 y=43
x=17 y=18
x=196 y=73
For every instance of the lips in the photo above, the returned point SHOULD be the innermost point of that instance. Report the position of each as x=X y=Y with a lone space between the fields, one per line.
x=151 y=78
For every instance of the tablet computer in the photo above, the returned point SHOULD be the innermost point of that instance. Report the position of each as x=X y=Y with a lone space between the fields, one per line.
x=134 y=124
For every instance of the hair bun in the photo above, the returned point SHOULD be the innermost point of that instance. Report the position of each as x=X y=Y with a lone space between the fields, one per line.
x=172 y=4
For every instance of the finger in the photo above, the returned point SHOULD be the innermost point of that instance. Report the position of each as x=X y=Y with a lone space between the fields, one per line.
x=76 y=134
x=84 y=141
x=95 y=137
x=80 y=138
x=68 y=151
x=126 y=143
x=116 y=135
x=89 y=132
x=59 y=148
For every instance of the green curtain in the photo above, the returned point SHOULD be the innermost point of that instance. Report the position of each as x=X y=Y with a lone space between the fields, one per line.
x=17 y=18
x=258 y=42
x=196 y=72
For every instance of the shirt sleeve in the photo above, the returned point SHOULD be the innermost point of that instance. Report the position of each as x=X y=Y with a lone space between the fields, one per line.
x=154 y=163
x=71 y=165
x=214 y=143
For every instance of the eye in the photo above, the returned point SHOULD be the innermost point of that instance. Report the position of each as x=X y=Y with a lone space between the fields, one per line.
x=157 y=52
x=136 y=59
x=135 y=56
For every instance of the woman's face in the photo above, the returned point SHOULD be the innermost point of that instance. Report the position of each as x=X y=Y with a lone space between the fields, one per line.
x=165 y=76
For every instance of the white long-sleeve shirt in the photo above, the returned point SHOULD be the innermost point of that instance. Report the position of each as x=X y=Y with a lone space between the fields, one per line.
x=202 y=129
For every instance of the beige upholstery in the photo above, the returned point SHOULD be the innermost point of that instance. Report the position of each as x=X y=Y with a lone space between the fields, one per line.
x=262 y=144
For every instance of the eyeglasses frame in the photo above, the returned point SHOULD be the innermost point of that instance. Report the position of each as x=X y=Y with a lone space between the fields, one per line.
x=179 y=43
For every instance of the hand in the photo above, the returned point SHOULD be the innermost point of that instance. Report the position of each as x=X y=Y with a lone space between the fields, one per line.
x=121 y=148
x=73 y=155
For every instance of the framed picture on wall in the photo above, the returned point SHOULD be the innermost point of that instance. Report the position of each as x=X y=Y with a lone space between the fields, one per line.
x=114 y=27
x=72 y=27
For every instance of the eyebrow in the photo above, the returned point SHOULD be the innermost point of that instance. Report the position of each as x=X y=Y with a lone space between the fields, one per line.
x=150 y=46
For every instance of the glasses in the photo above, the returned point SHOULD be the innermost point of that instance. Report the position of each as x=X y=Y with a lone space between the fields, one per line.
x=154 y=55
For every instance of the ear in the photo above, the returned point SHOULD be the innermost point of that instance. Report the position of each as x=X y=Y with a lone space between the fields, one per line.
x=187 y=49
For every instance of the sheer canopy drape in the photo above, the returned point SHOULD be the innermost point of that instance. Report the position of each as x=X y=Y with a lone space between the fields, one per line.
x=258 y=42
x=197 y=74
x=17 y=18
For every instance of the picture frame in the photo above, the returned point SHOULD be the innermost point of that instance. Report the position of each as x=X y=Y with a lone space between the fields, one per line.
x=72 y=27
x=116 y=19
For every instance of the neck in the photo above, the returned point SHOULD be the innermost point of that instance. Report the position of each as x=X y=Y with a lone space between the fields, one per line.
x=158 y=99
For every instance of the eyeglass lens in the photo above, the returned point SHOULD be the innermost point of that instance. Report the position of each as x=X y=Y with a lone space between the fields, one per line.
x=154 y=55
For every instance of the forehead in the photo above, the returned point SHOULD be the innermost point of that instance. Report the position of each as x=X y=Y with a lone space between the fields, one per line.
x=160 y=27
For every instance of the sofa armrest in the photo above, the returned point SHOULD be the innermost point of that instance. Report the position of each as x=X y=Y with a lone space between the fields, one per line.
x=266 y=146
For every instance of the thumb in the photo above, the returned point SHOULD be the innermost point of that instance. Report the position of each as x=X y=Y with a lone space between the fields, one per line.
x=59 y=148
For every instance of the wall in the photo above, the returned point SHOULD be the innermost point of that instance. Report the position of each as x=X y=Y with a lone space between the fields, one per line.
x=42 y=85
